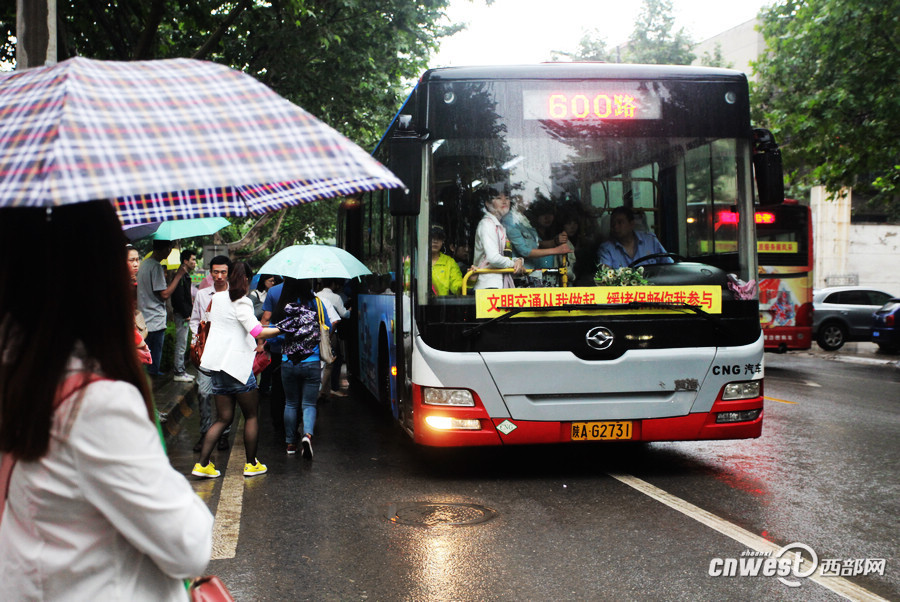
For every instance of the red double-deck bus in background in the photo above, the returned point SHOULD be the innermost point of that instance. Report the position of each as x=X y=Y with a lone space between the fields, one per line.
x=785 y=252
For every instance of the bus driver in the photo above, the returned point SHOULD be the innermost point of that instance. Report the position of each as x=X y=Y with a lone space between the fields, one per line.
x=626 y=244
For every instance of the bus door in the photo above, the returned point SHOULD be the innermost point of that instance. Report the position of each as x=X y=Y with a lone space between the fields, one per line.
x=405 y=268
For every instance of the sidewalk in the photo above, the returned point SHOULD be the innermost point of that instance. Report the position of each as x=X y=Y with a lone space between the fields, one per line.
x=173 y=402
x=859 y=353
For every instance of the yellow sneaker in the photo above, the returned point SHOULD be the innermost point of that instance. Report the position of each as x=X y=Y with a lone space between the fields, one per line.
x=251 y=470
x=209 y=471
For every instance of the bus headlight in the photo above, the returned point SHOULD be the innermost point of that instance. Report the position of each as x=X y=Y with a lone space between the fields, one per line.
x=447 y=397
x=445 y=423
x=745 y=390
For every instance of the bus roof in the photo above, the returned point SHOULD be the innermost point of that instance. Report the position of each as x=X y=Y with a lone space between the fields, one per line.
x=583 y=70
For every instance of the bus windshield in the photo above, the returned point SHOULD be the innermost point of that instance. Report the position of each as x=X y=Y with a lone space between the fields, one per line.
x=568 y=154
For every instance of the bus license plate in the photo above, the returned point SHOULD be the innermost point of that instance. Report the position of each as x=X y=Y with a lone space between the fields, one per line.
x=601 y=431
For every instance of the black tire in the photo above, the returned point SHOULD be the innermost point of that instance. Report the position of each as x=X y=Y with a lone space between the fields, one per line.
x=832 y=336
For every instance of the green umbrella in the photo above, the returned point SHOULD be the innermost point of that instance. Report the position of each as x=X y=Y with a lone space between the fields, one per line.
x=186 y=228
x=314 y=261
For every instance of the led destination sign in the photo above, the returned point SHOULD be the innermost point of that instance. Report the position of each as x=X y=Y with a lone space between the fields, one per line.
x=616 y=102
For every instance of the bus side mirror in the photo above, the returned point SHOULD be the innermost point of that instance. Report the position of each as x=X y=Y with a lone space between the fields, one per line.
x=405 y=151
x=768 y=168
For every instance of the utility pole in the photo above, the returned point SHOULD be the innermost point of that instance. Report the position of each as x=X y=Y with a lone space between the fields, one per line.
x=35 y=33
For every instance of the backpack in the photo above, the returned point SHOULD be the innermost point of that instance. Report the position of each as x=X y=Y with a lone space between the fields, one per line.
x=301 y=331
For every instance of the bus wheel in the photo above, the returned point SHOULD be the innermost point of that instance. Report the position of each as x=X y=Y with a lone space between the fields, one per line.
x=832 y=336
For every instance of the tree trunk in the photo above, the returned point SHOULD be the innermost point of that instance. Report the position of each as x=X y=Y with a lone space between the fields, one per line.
x=252 y=237
x=36 y=33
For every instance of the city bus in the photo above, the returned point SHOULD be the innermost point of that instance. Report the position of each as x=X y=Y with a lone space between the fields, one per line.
x=785 y=255
x=677 y=358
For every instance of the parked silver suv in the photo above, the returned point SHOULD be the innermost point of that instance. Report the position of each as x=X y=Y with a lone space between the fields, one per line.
x=844 y=313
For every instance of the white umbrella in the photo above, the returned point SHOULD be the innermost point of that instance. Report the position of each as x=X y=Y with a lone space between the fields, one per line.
x=314 y=261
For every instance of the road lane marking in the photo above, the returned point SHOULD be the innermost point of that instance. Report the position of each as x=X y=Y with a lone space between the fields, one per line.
x=780 y=400
x=227 y=525
x=838 y=585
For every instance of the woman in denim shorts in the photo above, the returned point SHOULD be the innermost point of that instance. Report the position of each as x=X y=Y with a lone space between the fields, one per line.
x=228 y=356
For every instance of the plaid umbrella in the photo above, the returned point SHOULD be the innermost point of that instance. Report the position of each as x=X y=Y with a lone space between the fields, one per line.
x=168 y=139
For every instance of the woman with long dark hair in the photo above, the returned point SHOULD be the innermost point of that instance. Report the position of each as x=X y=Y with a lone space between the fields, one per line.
x=301 y=377
x=228 y=355
x=94 y=510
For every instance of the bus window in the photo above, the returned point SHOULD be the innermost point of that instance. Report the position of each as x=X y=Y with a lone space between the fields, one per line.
x=377 y=237
x=711 y=182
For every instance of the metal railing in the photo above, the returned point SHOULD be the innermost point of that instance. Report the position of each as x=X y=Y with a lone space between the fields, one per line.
x=563 y=272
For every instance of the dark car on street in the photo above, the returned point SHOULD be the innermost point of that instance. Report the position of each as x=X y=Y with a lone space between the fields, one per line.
x=886 y=326
x=844 y=313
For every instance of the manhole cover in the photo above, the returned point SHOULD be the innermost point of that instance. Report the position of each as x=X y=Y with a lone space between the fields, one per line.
x=434 y=514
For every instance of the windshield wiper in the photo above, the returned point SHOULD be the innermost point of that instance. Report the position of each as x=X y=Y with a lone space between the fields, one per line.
x=512 y=311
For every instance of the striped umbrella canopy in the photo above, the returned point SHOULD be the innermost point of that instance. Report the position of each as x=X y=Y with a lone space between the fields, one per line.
x=168 y=139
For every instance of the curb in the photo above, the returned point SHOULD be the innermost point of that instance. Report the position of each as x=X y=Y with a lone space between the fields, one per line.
x=854 y=359
x=173 y=405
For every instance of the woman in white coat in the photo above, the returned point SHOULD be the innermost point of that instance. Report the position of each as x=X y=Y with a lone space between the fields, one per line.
x=490 y=241
x=228 y=355
x=94 y=510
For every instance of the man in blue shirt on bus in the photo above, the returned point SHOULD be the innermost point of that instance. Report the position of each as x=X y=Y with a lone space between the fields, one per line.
x=626 y=244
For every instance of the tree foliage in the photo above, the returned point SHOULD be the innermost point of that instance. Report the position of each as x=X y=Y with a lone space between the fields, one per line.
x=591 y=47
x=652 y=41
x=345 y=61
x=828 y=91
x=715 y=58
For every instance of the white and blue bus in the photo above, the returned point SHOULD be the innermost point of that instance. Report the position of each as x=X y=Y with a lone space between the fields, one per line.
x=679 y=358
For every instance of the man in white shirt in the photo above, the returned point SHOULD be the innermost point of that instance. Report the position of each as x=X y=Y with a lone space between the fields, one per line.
x=218 y=269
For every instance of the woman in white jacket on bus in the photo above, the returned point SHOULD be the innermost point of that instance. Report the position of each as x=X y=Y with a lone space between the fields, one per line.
x=490 y=241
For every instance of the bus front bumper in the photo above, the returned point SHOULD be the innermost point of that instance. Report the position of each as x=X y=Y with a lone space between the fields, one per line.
x=481 y=430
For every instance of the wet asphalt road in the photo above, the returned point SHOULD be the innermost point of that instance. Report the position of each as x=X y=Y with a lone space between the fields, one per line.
x=559 y=524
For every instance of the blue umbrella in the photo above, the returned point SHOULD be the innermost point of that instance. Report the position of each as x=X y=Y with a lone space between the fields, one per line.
x=314 y=261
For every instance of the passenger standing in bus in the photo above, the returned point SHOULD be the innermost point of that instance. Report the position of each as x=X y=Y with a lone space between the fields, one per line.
x=490 y=241
x=446 y=277
x=526 y=242
x=626 y=243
